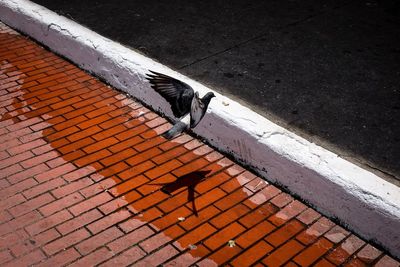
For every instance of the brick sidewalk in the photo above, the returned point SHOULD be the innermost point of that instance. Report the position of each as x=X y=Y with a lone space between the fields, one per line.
x=86 y=179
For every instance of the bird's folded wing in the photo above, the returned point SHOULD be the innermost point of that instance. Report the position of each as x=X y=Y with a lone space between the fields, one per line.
x=178 y=94
x=197 y=111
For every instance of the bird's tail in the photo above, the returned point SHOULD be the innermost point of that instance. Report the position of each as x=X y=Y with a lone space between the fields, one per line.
x=175 y=130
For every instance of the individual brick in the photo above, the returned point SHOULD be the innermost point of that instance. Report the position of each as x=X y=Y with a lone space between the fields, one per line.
x=190 y=257
x=127 y=257
x=208 y=198
x=108 y=221
x=223 y=236
x=32 y=243
x=130 y=239
x=66 y=146
x=15 y=159
x=61 y=259
x=254 y=234
x=136 y=170
x=282 y=200
x=39 y=159
x=230 y=215
x=100 y=145
x=283 y=253
x=29 y=259
x=25 y=147
x=43 y=187
x=31 y=172
x=315 y=231
x=48 y=222
x=116 y=157
x=148 y=201
x=5 y=256
x=55 y=172
x=190 y=167
x=387 y=261
x=66 y=241
x=196 y=235
x=220 y=257
x=31 y=204
x=284 y=233
x=345 y=250
x=159 y=240
x=18 y=187
x=72 y=187
x=119 y=202
x=262 y=196
x=79 y=221
x=128 y=185
x=253 y=254
x=158 y=257
x=172 y=218
x=11 y=201
x=313 y=252
x=99 y=186
x=308 y=216
x=81 y=172
x=94 y=258
x=233 y=198
x=336 y=234
x=288 y=212
x=368 y=254
x=121 y=145
x=20 y=222
x=143 y=156
x=89 y=245
x=90 y=203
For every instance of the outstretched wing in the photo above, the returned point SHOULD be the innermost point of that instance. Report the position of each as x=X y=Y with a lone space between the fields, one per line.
x=178 y=94
x=197 y=111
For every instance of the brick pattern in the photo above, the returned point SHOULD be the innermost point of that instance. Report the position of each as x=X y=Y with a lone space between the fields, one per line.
x=85 y=179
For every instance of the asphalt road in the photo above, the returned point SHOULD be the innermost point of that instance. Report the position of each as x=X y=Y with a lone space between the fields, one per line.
x=328 y=70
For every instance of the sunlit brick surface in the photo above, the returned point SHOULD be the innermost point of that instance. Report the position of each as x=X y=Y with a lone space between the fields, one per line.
x=86 y=179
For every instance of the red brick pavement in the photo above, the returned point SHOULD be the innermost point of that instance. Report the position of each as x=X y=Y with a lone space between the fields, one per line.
x=86 y=179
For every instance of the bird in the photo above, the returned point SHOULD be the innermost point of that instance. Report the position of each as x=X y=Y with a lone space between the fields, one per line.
x=184 y=101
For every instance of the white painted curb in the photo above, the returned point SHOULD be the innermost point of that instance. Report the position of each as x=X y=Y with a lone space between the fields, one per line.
x=369 y=205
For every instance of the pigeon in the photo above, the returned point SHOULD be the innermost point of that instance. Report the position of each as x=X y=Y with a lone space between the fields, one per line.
x=184 y=102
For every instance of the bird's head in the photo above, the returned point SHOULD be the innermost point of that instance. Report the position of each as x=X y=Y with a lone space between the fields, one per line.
x=208 y=96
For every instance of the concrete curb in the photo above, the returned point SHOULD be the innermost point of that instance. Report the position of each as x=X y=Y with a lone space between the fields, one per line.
x=367 y=204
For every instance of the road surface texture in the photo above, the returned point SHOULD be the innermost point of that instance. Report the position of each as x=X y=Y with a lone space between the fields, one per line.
x=86 y=179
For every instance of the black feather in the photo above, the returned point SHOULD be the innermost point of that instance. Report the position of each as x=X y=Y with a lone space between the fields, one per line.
x=178 y=94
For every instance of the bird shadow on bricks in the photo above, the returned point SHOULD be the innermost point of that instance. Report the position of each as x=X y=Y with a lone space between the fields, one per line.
x=190 y=181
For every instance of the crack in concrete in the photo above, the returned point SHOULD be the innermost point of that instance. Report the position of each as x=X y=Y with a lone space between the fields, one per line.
x=61 y=29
